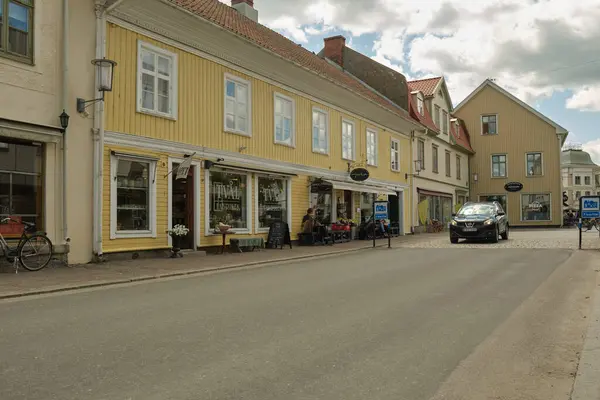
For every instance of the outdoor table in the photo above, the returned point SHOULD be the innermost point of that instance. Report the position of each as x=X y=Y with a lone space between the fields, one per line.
x=224 y=234
x=247 y=242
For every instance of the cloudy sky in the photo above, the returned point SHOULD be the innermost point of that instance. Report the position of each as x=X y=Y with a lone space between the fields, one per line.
x=547 y=52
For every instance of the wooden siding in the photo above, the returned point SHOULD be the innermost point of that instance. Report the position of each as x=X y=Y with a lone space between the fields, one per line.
x=519 y=132
x=200 y=113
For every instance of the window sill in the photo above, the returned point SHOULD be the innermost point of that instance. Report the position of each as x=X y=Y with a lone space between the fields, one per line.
x=19 y=59
x=372 y=165
x=395 y=170
x=290 y=145
x=132 y=235
x=323 y=153
x=156 y=114
x=499 y=177
x=236 y=132
x=489 y=134
x=535 y=176
x=348 y=159
x=435 y=172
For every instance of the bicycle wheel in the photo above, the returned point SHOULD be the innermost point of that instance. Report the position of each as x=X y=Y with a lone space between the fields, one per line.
x=36 y=252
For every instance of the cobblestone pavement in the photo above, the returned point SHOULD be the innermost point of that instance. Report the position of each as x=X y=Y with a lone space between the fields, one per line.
x=519 y=238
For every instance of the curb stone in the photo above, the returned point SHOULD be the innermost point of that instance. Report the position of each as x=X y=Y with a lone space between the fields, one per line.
x=587 y=384
x=173 y=274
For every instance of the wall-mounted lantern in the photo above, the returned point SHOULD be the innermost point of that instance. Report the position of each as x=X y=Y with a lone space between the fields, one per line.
x=104 y=72
x=417 y=169
x=64 y=120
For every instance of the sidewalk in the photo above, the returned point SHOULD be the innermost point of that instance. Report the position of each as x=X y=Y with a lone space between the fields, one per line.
x=61 y=278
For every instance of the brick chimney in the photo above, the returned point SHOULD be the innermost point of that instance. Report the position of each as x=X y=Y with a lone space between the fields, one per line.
x=246 y=7
x=334 y=49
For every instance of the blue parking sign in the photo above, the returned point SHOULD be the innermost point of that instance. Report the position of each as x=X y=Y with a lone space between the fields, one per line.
x=381 y=210
x=590 y=206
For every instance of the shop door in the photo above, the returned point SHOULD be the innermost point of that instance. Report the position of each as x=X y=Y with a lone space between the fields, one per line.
x=182 y=203
x=394 y=209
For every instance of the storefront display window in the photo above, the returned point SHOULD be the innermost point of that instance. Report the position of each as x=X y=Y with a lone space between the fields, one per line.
x=21 y=194
x=535 y=207
x=366 y=206
x=228 y=193
x=434 y=208
x=272 y=198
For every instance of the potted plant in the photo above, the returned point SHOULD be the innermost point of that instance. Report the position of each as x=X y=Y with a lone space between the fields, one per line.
x=177 y=234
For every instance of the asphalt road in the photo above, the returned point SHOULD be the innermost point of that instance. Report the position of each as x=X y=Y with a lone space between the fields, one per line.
x=381 y=324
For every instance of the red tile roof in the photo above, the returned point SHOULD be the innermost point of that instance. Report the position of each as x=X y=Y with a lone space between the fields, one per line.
x=427 y=86
x=424 y=119
x=461 y=136
x=230 y=19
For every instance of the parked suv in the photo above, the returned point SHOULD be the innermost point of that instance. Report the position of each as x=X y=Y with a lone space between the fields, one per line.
x=482 y=220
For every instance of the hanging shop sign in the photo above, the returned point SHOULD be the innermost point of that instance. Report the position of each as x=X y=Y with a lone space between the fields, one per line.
x=359 y=174
x=513 y=186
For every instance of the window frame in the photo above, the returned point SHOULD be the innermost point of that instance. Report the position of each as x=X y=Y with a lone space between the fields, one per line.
x=420 y=153
x=458 y=167
x=397 y=142
x=435 y=159
x=151 y=212
x=283 y=97
x=445 y=122
x=537 y=194
x=575 y=180
x=376 y=155
x=437 y=116
x=448 y=163
x=527 y=174
x=420 y=105
x=327 y=131
x=353 y=124
x=492 y=165
x=4 y=52
x=288 y=201
x=173 y=80
x=249 y=190
x=481 y=124
x=238 y=81
x=587 y=180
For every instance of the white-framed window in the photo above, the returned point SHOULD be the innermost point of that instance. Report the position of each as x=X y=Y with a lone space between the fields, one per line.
x=536 y=207
x=372 y=142
x=498 y=165
x=534 y=162
x=133 y=196
x=285 y=119
x=156 y=81
x=436 y=116
x=420 y=104
x=489 y=124
x=445 y=122
x=348 y=139
x=228 y=197
x=395 y=155
x=238 y=108
x=320 y=135
x=273 y=201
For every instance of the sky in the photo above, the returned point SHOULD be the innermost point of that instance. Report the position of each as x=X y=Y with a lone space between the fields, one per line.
x=546 y=52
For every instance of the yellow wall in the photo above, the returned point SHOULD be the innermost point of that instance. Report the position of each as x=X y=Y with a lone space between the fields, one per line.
x=519 y=132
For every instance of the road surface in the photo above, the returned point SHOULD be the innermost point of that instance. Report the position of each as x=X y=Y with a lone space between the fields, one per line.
x=383 y=324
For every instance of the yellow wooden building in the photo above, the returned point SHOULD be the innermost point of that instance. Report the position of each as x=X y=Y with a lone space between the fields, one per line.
x=271 y=129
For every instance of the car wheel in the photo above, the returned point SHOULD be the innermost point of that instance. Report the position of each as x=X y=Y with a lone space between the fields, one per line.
x=453 y=240
x=505 y=234
x=495 y=238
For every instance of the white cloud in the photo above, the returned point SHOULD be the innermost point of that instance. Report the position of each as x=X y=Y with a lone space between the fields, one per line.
x=593 y=147
x=587 y=99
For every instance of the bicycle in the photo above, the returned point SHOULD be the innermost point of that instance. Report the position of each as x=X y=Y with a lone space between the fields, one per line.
x=31 y=244
x=590 y=223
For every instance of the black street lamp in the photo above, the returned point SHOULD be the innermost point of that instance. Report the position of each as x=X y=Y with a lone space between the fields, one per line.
x=64 y=120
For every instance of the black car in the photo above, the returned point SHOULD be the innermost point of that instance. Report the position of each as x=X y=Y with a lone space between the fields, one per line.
x=480 y=221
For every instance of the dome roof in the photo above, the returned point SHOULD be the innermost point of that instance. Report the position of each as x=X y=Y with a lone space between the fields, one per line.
x=576 y=157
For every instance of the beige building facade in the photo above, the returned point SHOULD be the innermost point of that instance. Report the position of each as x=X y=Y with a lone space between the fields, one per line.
x=580 y=176
x=515 y=144
x=46 y=48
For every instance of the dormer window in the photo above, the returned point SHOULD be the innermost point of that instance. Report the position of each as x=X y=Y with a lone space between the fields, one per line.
x=420 y=105
x=418 y=98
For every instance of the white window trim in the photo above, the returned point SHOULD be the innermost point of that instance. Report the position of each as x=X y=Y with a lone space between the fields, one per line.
x=506 y=165
x=207 y=228
x=392 y=140
x=435 y=168
x=527 y=170
x=173 y=98
x=420 y=104
x=521 y=207
x=499 y=195
x=151 y=212
x=288 y=188
x=293 y=133
x=196 y=228
x=448 y=165
x=376 y=155
x=481 y=125
x=422 y=162
x=445 y=117
x=353 y=155
x=312 y=130
x=237 y=79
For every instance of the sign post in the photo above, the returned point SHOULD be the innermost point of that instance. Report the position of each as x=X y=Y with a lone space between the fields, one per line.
x=381 y=212
x=589 y=207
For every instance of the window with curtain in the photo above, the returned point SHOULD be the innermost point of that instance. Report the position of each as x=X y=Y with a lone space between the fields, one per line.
x=534 y=164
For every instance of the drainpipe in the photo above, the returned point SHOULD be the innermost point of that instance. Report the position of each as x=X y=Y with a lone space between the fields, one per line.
x=64 y=95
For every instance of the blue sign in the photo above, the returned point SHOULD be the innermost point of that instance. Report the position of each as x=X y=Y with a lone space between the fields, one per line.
x=590 y=207
x=381 y=210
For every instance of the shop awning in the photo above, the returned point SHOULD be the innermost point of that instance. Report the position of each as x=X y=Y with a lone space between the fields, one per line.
x=357 y=187
x=433 y=193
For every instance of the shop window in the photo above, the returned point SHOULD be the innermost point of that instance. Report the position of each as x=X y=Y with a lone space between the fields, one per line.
x=284 y=120
x=229 y=199
x=500 y=198
x=320 y=131
x=21 y=184
x=133 y=197
x=489 y=124
x=534 y=164
x=366 y=206
x=321 y=203
x=372 y=147
x=237 y=105
x=348 y=139
x=535 y=207
x=157 y=81
x=395 y=155
x=272 y=195
x=16 y=33
x=499 y=166
x=434 y=158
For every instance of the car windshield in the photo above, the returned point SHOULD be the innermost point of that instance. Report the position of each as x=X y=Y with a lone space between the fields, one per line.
x=471 y=210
